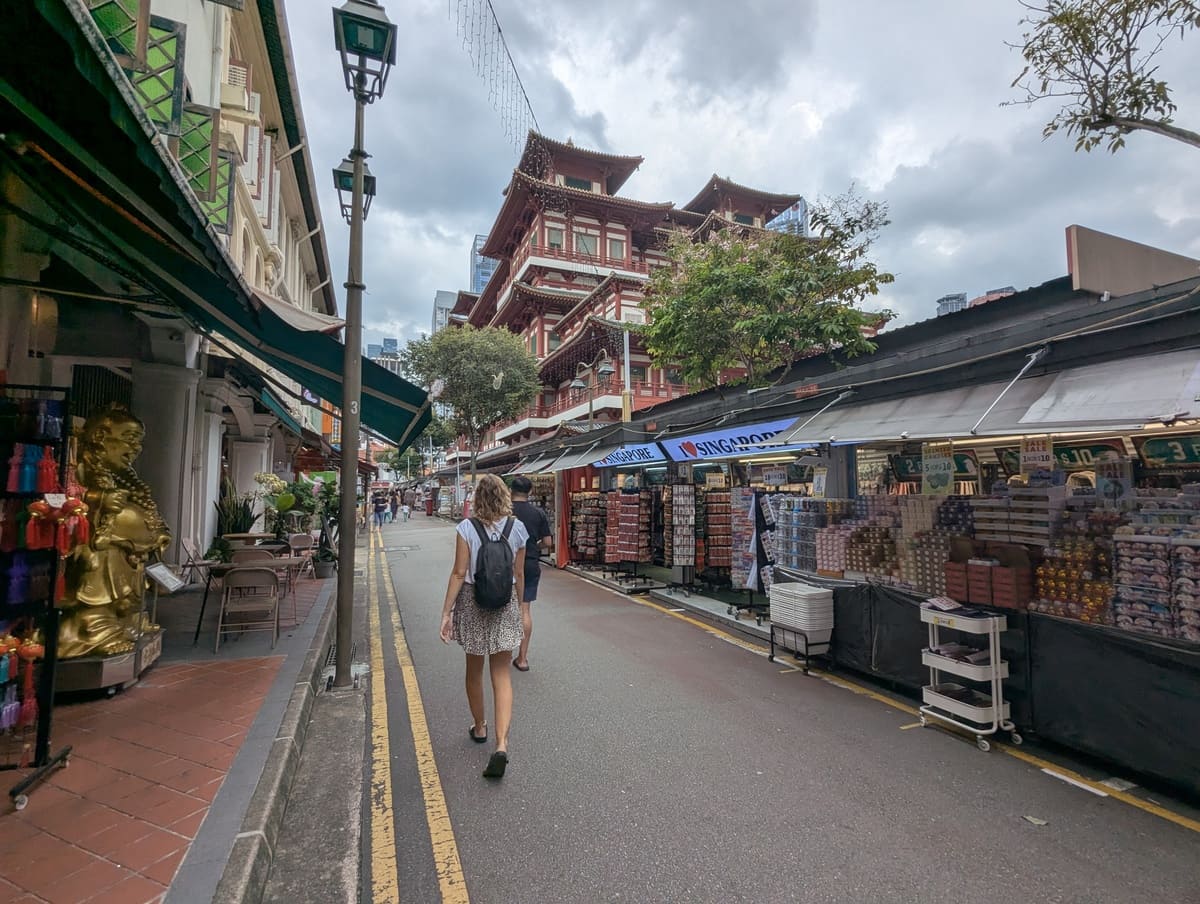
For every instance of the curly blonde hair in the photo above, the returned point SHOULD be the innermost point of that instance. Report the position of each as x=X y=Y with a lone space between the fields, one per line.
x=492 y=500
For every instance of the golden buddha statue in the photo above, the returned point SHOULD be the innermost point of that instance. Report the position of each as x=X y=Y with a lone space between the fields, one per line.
x=105 y=577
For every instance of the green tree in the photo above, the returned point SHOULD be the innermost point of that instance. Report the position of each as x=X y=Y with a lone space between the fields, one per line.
x=1098 y=58
x=488 y=374
x=758 y=300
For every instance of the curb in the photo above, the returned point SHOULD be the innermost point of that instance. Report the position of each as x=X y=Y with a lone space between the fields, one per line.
x=249 y=864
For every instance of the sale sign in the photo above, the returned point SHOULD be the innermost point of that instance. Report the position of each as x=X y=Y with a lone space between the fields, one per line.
x=1037 y=453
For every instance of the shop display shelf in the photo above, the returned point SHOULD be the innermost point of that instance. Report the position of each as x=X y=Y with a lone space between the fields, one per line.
x=980 y=710
x=963 y=669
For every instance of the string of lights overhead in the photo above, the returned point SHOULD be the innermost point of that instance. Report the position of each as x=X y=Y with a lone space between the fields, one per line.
x=483 y=40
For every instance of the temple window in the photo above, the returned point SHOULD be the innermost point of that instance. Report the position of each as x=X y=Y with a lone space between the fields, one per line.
x=585 y=244
x=744 y=219
x=554 y=237
x=616 y=249
x=581 y=184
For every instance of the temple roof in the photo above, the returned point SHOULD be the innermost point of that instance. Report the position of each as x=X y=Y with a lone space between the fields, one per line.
x=599 y=291
x=707 y=199
x=537 y=164
x=560 y=299
x=464 y=302
x=523 y=187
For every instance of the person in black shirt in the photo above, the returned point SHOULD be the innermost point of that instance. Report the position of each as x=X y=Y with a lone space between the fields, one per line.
x=538 y=527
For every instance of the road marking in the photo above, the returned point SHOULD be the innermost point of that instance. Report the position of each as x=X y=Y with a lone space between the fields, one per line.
x=1085 y=786
x=1124 y=797
x=385 y=882
x=446 y=862
x=910 y=725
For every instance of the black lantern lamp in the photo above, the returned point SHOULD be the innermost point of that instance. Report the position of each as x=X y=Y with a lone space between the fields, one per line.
x=343 y=181
x=367 y=42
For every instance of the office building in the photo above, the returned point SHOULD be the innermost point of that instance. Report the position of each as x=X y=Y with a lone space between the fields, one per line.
x=482 y=267
x=443 y=304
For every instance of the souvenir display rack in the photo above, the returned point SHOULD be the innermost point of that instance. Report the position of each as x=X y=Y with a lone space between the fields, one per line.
x=588 y=527
x=36 y=520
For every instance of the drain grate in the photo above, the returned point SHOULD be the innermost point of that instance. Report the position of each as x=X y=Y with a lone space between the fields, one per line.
x=331 y=658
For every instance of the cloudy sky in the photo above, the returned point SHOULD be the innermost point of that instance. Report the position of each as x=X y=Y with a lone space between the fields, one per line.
x=807 y=96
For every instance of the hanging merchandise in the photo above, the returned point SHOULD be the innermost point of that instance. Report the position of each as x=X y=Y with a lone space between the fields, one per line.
x=744 y=561
x=33 y=441
x=588 y=528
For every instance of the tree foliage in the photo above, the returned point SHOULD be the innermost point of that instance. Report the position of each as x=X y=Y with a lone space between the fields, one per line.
x=489 y=377
x=761 y=300
x=1098 y=57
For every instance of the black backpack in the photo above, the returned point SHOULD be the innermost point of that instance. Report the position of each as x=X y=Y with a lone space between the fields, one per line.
x=493 y=568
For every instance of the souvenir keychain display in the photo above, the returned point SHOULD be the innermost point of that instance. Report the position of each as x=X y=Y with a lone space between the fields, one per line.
x=41 y=521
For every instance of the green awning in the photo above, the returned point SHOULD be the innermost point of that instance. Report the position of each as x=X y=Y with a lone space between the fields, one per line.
x=90 y=148
x=277 y=408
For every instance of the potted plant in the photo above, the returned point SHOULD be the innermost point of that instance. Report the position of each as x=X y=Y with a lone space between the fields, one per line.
x=324 y=561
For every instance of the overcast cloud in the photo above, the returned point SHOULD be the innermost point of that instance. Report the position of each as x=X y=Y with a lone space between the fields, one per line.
x=803 y=96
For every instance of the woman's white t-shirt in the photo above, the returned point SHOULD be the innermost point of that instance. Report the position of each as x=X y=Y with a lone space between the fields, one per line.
x=517 y=538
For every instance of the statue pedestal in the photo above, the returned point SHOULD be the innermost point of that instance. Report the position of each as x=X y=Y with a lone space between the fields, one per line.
x=111 y=673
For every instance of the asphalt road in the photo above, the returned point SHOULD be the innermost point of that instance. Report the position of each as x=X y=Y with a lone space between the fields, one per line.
x=651 y=761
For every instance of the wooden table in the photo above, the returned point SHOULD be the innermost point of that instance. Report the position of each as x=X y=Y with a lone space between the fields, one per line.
x=220 y=569
x=247 y=538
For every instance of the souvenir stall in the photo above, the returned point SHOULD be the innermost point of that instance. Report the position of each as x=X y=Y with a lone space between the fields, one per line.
x=1086 y=541
x=41 y=521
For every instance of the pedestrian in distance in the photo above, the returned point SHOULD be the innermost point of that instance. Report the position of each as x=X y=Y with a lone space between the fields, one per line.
x=380 y=508
x=537 y=525
x=405 y=511
x=394 y=503
x=481 y=609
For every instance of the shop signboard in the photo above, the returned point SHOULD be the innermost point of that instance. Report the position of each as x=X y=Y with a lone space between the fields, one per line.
x=937 y=471
x=734 y=442
x=641 y=454
x=1169 y=451
x=908 y=467
x=714 y=480
x=1068 y=456
x=1037 y=454
x=818 y=482
x=775 y=475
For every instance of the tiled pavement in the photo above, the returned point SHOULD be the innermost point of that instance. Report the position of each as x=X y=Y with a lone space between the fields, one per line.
x=145 y=768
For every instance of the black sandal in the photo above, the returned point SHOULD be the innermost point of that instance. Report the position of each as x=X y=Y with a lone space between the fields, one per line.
x=496 y=765
x=475 y=737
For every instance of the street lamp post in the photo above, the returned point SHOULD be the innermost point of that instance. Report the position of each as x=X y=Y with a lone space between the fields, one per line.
x=366 y=41
x=604 y=369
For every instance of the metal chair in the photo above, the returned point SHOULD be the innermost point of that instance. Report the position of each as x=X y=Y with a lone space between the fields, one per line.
x=303 y=545
x=195 y=563
x=257 y=555
x=252 y=555
x=247 y=591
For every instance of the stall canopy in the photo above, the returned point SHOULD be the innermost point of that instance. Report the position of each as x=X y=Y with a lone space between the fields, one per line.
x=1132 y=392
x=576 y=458
x=87 y=141
x=934 y=415
x=538 y=463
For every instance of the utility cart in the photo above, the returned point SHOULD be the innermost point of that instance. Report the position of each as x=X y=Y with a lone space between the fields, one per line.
x=982 y=712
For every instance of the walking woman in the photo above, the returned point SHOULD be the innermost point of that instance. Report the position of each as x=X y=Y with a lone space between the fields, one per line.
x=490 y=634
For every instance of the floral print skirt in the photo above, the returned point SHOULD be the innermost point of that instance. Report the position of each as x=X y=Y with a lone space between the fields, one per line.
x=482 y=632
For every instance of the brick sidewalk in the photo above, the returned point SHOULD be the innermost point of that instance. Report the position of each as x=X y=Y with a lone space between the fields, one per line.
x=145 y=767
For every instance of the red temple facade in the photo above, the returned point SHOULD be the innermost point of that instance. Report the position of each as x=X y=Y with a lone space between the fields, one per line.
x=573 y=259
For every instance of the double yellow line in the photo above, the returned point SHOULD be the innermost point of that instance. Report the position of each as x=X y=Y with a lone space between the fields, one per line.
x=385 y=881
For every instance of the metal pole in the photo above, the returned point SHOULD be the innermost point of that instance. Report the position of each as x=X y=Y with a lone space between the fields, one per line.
x=591 y=399
x=351 y=415
x=627 y=394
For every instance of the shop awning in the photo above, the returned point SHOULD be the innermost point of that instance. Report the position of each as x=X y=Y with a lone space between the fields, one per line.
x=88 y=141
x=577 y=458
x=1126 y=394
x=951 y=413
x=535 y=464
x=308 y=321
x=277 y=408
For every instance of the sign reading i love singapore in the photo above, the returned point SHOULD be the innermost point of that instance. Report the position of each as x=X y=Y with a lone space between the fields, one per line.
x=730 y=443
